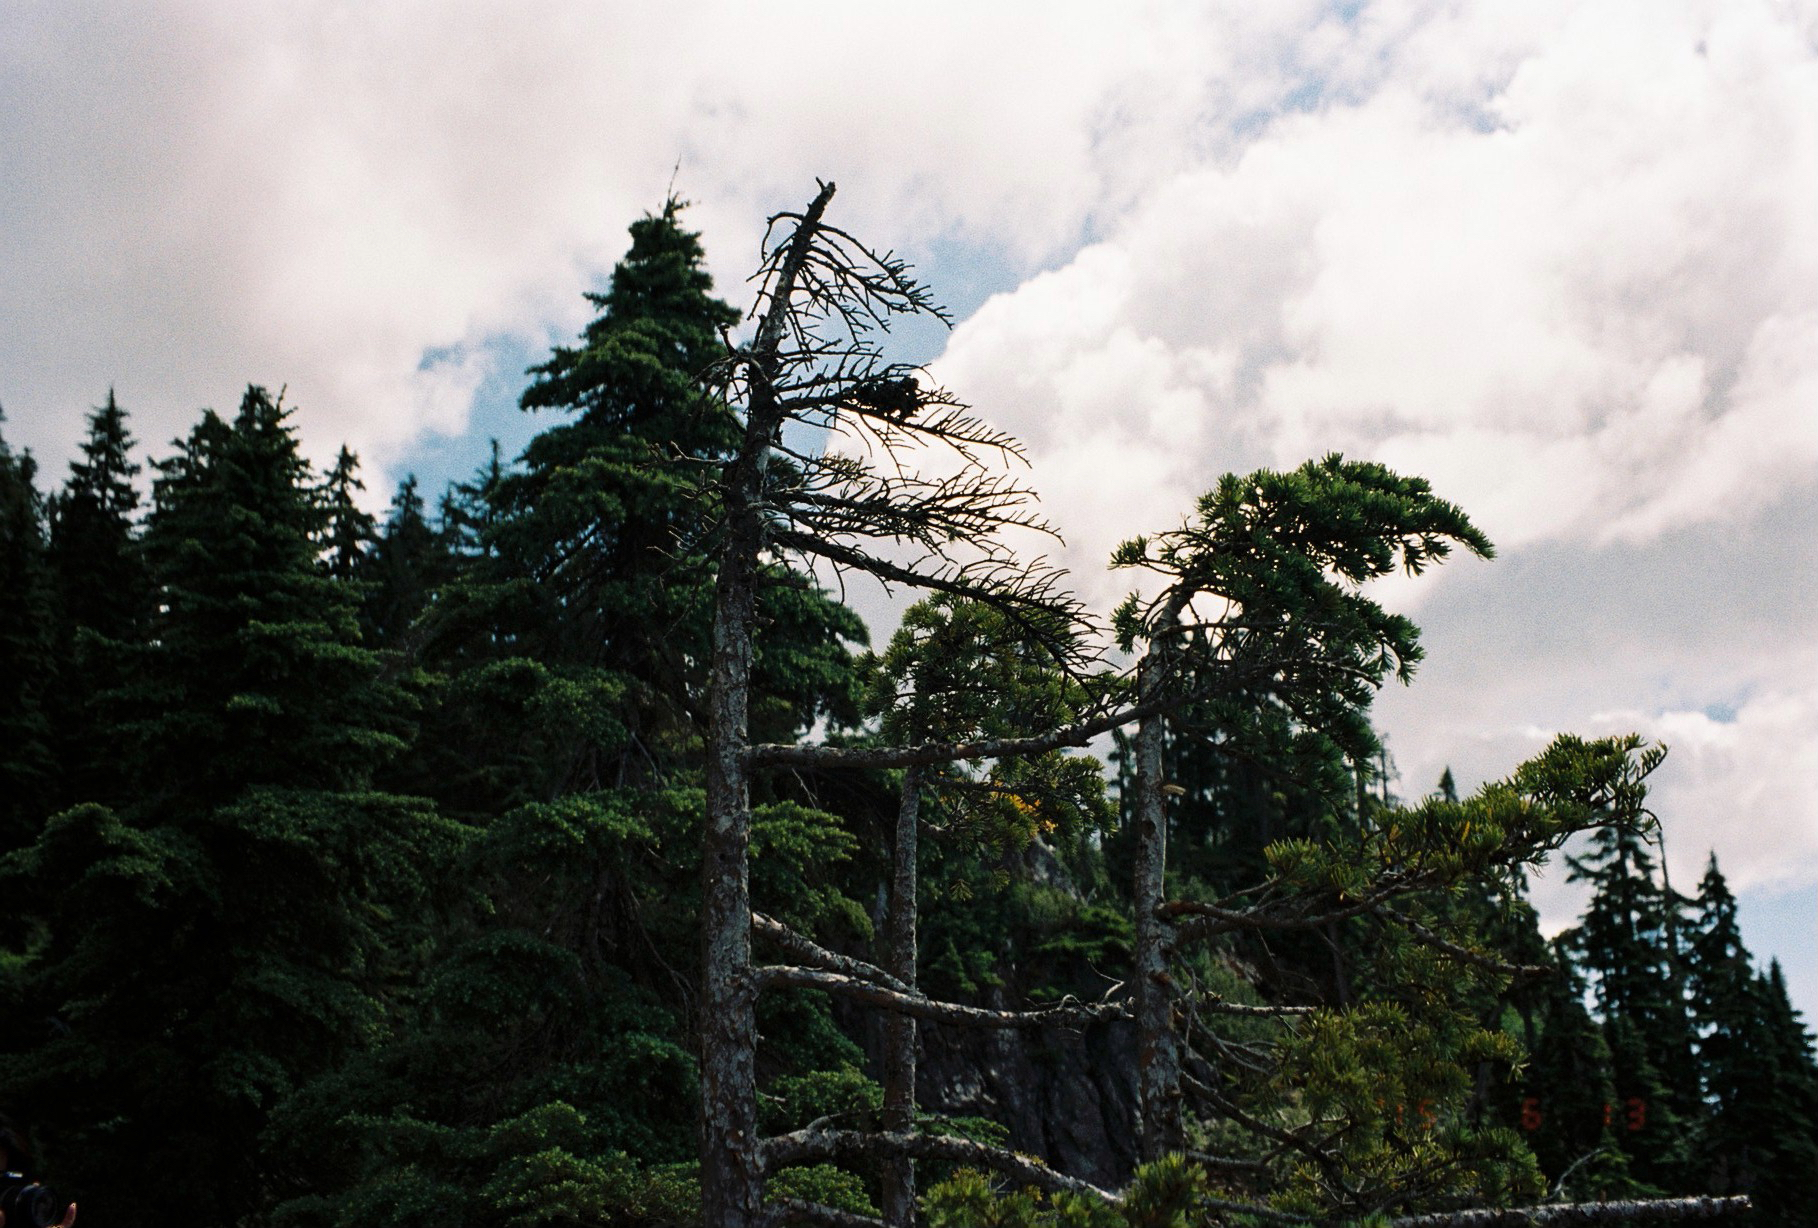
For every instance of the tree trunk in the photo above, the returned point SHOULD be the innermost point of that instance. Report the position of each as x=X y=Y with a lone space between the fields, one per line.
x=731 y=1177
x=900 y=1029
x=1157 y=1048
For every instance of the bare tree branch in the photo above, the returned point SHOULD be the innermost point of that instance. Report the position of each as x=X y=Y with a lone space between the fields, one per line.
x=1216 y=1005
x=806 y=949
x=934 y=1010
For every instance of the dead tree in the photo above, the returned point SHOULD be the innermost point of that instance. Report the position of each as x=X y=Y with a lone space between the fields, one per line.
x=865 y=496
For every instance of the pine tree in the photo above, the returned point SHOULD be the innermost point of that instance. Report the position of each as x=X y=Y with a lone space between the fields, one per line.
x=567 y=639
x=348 y=529
x=408 y=561
x=27 y=653
x=1567 y=1110
x=231 y=930
x=105 y=594
x=1627 y=943
x=1785 y=1103
x=1759 y=1133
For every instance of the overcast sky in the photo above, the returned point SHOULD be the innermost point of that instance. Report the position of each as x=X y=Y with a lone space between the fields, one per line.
x=1560 y=258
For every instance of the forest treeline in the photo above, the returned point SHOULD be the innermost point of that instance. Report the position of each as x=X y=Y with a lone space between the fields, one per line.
x=559 y=852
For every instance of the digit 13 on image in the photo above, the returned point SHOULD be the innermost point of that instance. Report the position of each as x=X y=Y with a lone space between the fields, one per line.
x=1634 y=1114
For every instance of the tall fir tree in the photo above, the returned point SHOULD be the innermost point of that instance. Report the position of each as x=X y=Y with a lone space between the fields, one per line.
x=101 y=577
x=1568 y=1106
x=408 y=561
x=1787 y=1108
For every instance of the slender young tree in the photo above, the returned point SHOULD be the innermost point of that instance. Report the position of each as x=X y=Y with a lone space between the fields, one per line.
x=958 y=671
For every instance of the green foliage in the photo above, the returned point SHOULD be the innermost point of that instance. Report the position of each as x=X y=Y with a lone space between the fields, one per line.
x=969 y=1199
x=253 y=844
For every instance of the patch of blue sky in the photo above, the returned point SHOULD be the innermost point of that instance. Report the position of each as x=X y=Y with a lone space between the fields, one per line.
x=1782 y=923
x=442 y=460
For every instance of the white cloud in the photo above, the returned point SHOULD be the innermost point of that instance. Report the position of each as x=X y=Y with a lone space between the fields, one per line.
x=198 y=195
x=1590 y=286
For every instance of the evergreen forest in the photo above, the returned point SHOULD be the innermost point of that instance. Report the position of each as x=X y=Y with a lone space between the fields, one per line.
x=559 y=849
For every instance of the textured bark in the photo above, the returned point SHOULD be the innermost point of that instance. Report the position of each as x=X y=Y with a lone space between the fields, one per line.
x=898 y=1188
x=1157 y=1048
x=731 y=1174
x=1580 y=1213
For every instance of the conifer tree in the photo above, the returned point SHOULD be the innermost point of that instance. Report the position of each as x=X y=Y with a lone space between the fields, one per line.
x=408 y=561
x=101 y=580
x=348 y=529
x=1568 y=1107
x=27 y=660
x=566 y=642
x=1785 y=1105
x=105 y=596
x=1758 y=1135
x=1626 y=943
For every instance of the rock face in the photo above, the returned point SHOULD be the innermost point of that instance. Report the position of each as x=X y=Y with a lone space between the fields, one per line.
x=1067 y=1095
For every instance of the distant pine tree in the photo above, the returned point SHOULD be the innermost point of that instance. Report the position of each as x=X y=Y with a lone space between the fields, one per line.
x=1760 y=1135
x=348 y=529
x=1787 y=1107
x=1570 y=1113
x=408 y=561
x=1627 y=944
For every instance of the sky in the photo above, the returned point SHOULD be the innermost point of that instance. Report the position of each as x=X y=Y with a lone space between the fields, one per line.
x=1559 y=258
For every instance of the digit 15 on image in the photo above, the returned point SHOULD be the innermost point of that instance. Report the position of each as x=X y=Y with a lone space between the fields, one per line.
x=1631 y=1114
